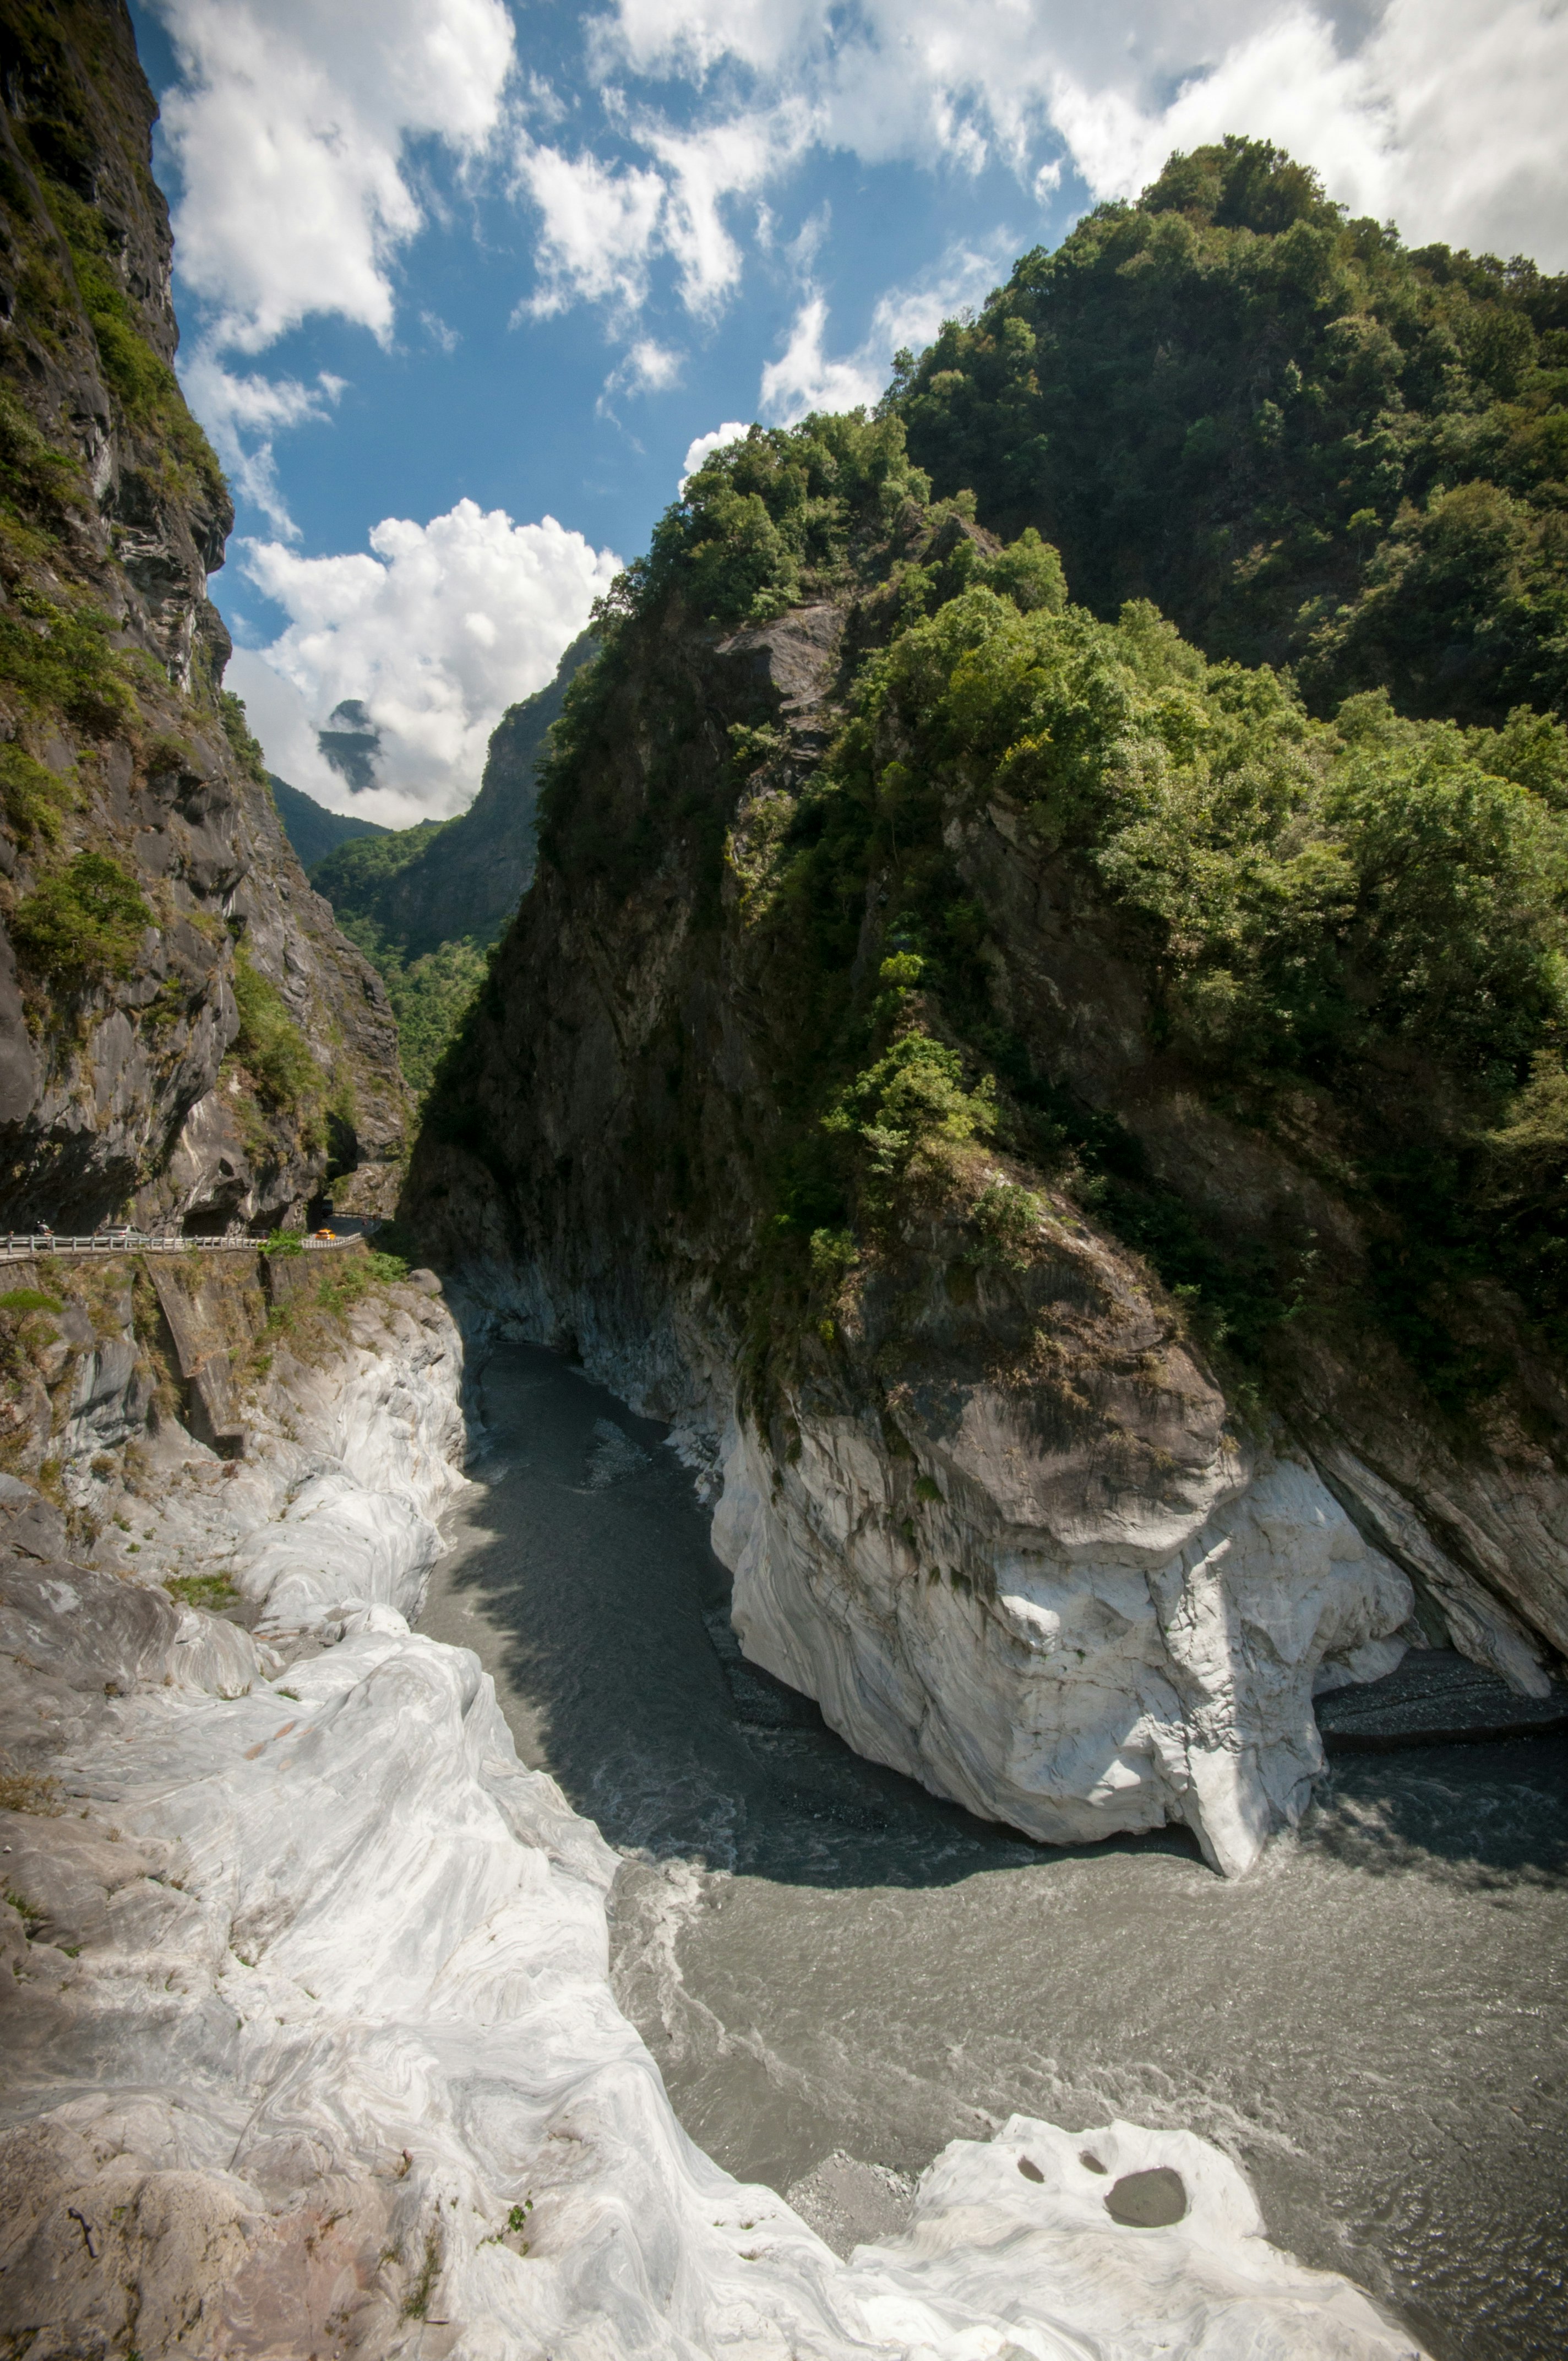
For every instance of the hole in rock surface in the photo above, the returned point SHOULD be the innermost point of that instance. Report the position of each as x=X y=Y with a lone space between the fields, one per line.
x=838 y=1973
x=1147 y=2200
x=1030 y=2170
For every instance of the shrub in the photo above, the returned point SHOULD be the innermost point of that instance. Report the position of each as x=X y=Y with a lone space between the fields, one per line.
x=84 y=923
x=271 y=1046
x=284 y=1242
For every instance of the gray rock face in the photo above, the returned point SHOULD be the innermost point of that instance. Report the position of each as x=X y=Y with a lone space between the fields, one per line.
x=1000 y=1518
x=111 y=1054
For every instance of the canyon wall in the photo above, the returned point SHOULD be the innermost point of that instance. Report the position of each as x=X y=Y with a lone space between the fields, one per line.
x=183 y=1032
x=988 y=1489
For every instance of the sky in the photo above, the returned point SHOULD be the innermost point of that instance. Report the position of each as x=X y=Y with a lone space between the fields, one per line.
x=466 y=286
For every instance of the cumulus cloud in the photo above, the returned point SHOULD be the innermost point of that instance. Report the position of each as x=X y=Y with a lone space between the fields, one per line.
x=1445 y=115
x=289 y=129
x=703 y=447
x=436 y=628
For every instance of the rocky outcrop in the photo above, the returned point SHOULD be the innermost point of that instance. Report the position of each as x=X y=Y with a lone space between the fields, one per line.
x=983 y=1495
x=309 y=2041
x=158 y=930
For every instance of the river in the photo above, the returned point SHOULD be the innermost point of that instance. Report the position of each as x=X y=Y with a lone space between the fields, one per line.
x=838 y=1973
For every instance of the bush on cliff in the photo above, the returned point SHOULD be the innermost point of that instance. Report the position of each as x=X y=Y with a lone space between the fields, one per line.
x=83 y=924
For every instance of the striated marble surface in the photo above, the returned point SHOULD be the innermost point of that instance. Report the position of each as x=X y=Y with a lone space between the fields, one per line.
x=1071 y=1682
x=309 y=2043
x=310 y=2049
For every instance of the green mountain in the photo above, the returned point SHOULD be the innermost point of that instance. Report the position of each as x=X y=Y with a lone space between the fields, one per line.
x=957 y=1028
x=424 y=903
x=310 y=828
x=1306 y=442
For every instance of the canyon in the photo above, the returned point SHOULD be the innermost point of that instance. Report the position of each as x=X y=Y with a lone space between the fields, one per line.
x=414 y=1838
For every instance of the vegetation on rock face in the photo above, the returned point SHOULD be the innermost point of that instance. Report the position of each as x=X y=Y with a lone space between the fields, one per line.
x=1353 y=921
x=85 y=923
x=1304 y=440
x=272 y=1049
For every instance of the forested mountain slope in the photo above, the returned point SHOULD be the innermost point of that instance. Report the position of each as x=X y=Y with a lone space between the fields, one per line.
x=1304 y=440
x=312 y=829
x=1044 y=1087
x=424 y=903
x=183 y=1030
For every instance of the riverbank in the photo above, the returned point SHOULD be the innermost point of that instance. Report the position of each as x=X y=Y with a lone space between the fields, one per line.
x=828 y=1962
x=310 y=2045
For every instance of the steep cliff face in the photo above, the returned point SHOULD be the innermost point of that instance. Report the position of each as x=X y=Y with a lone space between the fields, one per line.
x=820 y=1099
x=183 y=1030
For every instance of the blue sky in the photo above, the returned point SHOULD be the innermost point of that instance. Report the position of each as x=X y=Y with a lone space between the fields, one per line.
x=461 y=281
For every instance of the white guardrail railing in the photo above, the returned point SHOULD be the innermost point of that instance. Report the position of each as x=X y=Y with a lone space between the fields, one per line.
x=19 y=1245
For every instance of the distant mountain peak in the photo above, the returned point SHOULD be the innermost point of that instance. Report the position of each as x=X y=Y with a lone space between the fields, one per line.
x=351 y=744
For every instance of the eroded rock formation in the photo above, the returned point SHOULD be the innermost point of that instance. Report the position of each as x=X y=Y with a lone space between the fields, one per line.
x=309 y=2043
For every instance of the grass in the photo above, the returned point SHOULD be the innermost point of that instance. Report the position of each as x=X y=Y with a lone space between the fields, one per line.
x=28 y=1790
x=214 y=1591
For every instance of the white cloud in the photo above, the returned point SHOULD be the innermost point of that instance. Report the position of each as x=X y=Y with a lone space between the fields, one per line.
x=705 y=168
x=649 y=368
x=289 y=129
x=703 y=447
x=601 y=226
x=804 y=378
x=1443 y=113
x=242 y=413
x=438 y=628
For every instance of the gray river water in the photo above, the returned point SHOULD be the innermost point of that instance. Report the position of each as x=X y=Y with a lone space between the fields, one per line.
x=830 y=1964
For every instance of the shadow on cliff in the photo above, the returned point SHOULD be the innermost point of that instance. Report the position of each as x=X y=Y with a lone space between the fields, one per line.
x=584 y=1577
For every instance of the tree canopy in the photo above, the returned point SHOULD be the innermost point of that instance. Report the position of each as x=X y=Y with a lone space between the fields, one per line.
x=1306 y=442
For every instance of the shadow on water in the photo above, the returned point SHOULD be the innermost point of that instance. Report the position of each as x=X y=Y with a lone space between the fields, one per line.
x=589 y=1553
x=826 y=1960
x=613 y=1612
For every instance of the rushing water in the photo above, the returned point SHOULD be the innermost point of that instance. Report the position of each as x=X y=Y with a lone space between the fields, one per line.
x=830 y=1964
